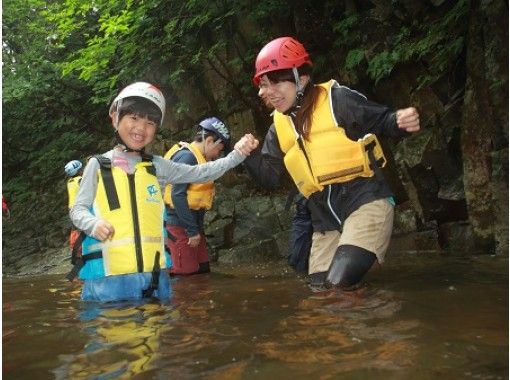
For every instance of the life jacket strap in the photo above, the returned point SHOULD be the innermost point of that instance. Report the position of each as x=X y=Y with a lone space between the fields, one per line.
x=375 y=165
x=150 y=169
x=109 y=185
x=76 y=252
x=80 y=262
x=147 y=293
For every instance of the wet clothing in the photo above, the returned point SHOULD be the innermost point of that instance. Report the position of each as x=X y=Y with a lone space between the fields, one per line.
x=300 y=237
x=369 y=227
x=186 y=259
x=331 y=207
x=125 y=287
x=349 y=265
x=85 y=214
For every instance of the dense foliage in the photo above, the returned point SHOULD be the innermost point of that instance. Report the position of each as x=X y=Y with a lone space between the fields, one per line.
x=65 y=60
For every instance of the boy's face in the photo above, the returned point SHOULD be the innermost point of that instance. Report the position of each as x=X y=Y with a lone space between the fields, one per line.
x=212 y=149
x=135 y=131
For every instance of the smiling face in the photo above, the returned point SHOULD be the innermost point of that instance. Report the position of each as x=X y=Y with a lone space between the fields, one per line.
x=279 y=94
x=135 y=131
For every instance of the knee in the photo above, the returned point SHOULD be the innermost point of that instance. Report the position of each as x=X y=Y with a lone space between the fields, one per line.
x=350 y=263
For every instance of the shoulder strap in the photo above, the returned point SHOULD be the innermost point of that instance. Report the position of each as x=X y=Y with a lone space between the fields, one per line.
x=109 y=184
x=151 y=169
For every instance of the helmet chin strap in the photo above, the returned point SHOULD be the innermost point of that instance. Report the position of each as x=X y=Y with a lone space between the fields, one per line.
x=121 y=144
x=293 y=110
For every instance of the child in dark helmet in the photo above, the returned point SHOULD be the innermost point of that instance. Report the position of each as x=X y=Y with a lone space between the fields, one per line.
x=120 y=206
x=324 y=136
x=187 y=203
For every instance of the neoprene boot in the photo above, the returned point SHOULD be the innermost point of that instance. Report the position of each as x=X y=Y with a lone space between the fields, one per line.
x=349 y=265
x=317 y=279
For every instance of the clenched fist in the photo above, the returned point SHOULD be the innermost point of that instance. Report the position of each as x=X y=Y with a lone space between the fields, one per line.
x=408 y=119
x=246 y=144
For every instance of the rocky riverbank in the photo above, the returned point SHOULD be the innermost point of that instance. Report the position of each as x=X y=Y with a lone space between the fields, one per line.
x=249 y=227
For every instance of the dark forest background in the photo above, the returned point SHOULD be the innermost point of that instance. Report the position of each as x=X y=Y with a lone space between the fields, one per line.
x=64 y=61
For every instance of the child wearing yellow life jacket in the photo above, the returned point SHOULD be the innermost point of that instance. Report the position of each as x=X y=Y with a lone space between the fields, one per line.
x=73 y=169
x=187 y=203
x=120 y=207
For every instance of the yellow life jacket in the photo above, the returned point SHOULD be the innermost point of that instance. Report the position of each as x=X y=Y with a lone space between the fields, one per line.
x=329 y=156
x=73 y=185
x=199 y=195
x=133 y=204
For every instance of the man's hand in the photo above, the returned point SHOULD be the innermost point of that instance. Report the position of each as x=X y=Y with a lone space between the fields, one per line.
x=246 y=144
x=408 y=119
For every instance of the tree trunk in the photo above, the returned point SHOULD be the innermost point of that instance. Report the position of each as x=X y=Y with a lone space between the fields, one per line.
x=481 y=134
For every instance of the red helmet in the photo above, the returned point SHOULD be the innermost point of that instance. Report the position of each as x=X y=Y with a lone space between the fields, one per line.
x=281 y=53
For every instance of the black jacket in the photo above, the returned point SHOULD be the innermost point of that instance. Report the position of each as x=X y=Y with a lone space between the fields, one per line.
x=330 y=207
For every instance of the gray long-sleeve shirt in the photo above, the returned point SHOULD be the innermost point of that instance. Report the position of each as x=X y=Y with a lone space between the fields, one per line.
x=166 y=171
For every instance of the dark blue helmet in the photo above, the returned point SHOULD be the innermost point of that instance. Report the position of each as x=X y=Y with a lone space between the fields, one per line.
x=217 y=127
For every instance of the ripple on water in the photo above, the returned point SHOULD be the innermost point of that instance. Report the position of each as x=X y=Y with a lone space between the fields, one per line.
x=346 y=330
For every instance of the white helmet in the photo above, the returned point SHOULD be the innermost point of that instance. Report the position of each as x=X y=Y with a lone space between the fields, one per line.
x=142 y=90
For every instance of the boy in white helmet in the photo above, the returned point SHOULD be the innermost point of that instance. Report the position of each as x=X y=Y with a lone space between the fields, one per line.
x=120 y=206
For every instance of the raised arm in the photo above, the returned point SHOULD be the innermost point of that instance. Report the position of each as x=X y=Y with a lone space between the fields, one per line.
x=171 y=172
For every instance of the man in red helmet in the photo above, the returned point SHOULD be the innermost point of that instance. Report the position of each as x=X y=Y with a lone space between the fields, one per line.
x=324 y=136
x=187 y=203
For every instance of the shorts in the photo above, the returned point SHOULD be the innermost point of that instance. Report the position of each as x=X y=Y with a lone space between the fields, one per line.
x=185 y=259
x=369 y=227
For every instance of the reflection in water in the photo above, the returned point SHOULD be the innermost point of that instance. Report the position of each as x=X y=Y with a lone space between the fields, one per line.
x=441 y=319
x=347 y=331
x=124 y=341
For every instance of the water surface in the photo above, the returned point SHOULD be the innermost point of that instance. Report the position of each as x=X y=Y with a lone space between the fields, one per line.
x=418 y=318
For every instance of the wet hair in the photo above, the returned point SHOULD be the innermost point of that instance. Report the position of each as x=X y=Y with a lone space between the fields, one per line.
x=311 y=94
x=140 y=107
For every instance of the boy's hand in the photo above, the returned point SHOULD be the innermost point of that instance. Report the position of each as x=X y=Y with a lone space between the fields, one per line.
x=103 y=230
x=246 y=144
x=194 y=241
x=408 y=119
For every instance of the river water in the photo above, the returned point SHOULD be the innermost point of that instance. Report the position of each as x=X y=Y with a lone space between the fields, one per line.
x=418 y=318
